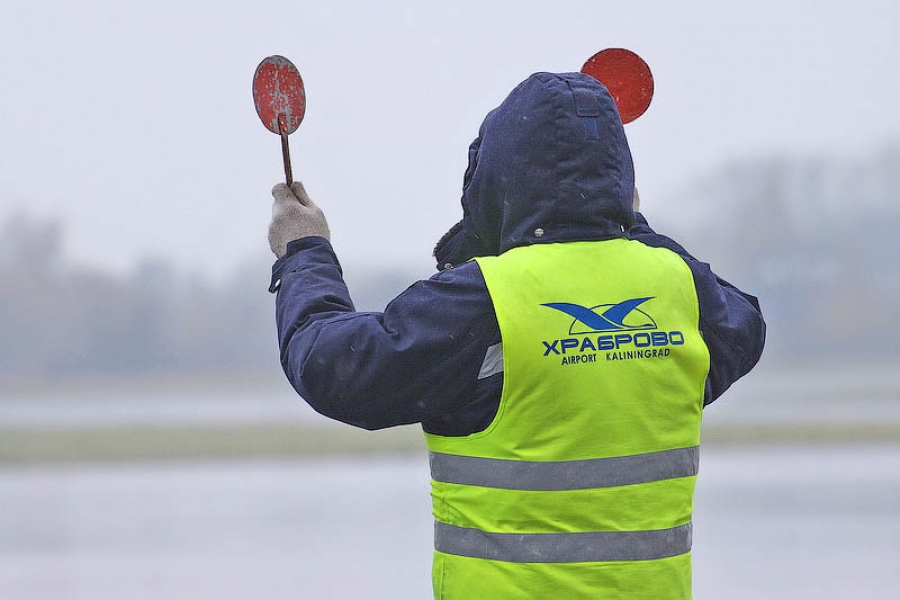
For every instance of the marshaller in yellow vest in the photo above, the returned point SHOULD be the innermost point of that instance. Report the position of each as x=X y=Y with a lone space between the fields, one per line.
x=558 y=362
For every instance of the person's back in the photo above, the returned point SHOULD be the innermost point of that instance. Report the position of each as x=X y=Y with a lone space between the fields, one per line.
x=558 y=364
x=583 y=483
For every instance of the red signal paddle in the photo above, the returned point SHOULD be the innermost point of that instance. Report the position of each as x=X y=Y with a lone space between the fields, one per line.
x=280 y=100
x=626 y=76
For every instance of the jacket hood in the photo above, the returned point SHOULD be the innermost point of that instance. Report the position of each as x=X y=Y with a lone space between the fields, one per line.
x=550 y=164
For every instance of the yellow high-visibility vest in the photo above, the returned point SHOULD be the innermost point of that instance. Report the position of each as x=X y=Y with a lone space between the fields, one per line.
x=582 y=486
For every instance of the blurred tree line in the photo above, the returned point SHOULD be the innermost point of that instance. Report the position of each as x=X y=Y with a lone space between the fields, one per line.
x=812 y=238
x=58 y=320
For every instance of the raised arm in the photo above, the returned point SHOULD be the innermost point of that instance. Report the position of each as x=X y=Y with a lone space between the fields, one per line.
x=418 y=359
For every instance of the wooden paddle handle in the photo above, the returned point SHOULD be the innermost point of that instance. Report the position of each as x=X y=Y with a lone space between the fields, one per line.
x=285 y=150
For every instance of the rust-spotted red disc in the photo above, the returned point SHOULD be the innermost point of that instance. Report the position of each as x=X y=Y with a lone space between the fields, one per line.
x=278 y=94
x=626 y=76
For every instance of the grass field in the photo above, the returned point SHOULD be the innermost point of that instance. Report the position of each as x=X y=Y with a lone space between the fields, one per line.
x=161 y=443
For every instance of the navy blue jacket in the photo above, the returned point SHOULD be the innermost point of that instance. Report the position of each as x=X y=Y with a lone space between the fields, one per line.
x=550 y=164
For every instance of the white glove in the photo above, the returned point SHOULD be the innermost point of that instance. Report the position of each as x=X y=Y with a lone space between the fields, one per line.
x=294 y=216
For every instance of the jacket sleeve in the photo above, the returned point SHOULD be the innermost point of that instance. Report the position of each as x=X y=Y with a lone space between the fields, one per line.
x=730 y=320
x=413 y=362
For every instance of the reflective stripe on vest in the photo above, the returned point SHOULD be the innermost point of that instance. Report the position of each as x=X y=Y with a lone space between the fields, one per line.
x=578 y=547
x=565 y=475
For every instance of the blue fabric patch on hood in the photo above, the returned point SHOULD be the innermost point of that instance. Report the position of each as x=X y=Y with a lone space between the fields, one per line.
x=550 y=164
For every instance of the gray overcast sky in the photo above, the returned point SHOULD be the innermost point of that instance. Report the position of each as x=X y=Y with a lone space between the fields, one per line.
x=133 y=121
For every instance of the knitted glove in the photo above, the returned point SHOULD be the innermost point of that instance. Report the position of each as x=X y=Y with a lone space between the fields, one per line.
x=294 y=216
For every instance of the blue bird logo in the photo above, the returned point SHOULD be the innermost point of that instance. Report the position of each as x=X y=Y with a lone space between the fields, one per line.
x=624 y=316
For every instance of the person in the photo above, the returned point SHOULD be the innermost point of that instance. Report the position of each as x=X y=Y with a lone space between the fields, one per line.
x=558 y=362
